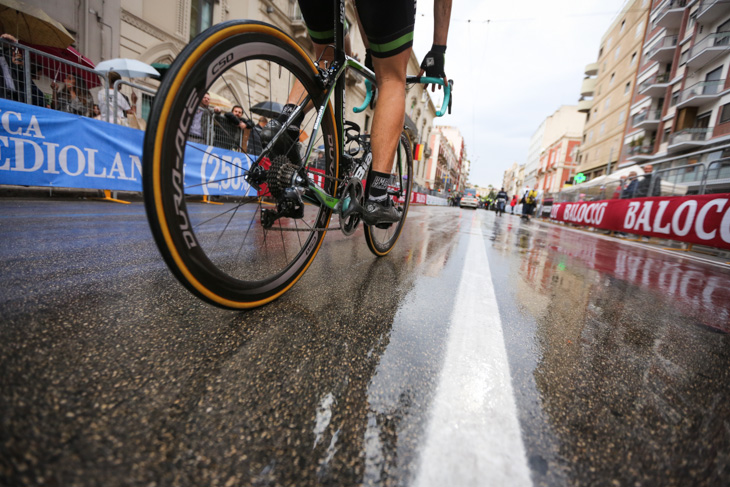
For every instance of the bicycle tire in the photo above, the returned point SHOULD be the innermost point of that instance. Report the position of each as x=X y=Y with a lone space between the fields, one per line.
x=381 y=240
x=230 y=259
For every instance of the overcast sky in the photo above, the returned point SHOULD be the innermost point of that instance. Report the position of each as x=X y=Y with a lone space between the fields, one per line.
x=512 y=72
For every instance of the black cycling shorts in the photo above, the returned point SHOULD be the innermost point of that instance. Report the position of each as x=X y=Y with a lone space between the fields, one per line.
x=387 y=23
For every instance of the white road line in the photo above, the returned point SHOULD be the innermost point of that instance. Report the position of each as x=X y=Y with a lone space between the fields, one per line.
x=473 y=437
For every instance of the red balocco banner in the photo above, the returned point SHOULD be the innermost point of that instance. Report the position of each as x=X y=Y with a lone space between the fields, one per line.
x=701 y=220
x=418 y=198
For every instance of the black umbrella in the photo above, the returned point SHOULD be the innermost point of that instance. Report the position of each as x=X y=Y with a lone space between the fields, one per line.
x=269 y=109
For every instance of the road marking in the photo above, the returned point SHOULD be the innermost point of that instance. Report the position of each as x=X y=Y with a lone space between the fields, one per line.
x=473 y=437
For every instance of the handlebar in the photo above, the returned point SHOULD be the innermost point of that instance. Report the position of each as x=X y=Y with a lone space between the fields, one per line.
x=446 y=105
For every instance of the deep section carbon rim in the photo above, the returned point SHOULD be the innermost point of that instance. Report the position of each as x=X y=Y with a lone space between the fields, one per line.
x=206 y=217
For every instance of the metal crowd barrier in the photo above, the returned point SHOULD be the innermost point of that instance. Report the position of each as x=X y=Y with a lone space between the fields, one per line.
x=690 y=179
x=720 y=181
x=133 y=88
x=28 y=75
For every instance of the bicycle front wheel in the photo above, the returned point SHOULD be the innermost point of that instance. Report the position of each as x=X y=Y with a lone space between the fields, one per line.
x=382 y=238
x=205 y=216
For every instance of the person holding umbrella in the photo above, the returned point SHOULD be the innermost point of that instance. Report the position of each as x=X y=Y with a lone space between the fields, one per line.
x=73 y=97
x=106 y=101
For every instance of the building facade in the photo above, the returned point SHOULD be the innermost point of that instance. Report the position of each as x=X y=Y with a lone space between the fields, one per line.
x=606 y=92
x=512 y=182
x=681 y=108
x=556 y=140
x=558 y=163
x=446 y=167
x=156 y=32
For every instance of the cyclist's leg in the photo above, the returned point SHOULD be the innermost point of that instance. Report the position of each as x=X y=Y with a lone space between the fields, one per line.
x=388 y=25
x=391 y=108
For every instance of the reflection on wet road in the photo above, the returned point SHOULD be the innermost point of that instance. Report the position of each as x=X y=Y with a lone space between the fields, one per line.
x=112 y=374
x=619 y=357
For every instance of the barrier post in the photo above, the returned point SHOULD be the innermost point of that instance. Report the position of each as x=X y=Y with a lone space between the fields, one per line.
x=108 y=197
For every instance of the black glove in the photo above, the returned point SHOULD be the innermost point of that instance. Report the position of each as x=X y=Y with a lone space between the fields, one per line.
x=433 y=63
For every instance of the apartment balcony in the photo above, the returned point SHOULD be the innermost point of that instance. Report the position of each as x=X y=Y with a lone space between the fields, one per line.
x=670 y=14
x=638 y=152
x=591 y=69
x=700 y=93
x=709 y=49
x=712 y=10
x=688 y=139
x=663 y=51
x=584 y=106
x=588 y=87
x=647 y=119
x=655 y=86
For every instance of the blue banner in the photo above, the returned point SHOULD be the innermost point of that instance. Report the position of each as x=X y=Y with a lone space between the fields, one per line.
x=42 y=147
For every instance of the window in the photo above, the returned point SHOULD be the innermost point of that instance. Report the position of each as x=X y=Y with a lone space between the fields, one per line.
x=666 y=135
x=602 y=129
x=617 y=53
x=683 y=57
x=627 y=88
x=725 y=113
x=675 y=98
x=608 y=44
x=623 y=24
x=621 y=118
x=639 y=29
x=613 y=75
x=201 y=16
x=147 y=101
x=590 y=136
x=633 y=59
x=608 y=102
x=723 y=28
x=691 y=23
x=703 y=121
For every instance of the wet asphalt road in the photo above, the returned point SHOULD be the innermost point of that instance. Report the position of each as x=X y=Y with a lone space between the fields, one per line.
x=112 y=374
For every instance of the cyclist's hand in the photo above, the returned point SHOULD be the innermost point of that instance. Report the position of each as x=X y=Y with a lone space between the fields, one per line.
x=433 y=64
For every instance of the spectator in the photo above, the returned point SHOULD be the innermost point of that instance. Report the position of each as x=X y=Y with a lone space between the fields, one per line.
x=628 y=191
x=230 y=128
x=106 y=101
x=96 y=112
x=529 y=200
x=645 y=185
x=619 y=188
x=12 y=72
x=513 y=203
x=254 y=146
x=201 y=120
x=73 y=97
